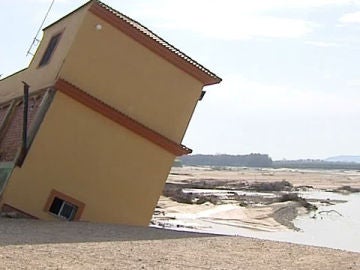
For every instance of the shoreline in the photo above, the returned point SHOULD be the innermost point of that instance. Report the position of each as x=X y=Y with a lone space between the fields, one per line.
x=274 y=217
x=238 y=203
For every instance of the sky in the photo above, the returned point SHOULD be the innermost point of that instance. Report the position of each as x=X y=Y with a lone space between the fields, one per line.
x=290 y=68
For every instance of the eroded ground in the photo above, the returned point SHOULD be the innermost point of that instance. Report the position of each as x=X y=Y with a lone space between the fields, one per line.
x=202 y=198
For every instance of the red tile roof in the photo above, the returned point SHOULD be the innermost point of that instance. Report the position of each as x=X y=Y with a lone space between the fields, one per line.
x=149 y=39
x=153 y=42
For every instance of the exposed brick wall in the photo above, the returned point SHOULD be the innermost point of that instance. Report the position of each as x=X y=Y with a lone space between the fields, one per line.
x=11 y=142
x=3 y=111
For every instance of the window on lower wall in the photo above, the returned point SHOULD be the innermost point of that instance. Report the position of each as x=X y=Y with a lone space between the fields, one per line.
x=64 y=206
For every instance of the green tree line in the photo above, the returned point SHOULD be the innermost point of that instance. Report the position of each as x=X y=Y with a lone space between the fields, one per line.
x=261 y=161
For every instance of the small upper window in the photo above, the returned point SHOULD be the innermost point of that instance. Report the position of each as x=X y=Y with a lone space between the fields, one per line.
x=50 y=49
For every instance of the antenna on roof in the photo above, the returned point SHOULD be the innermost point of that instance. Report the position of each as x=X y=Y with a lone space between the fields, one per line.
x=36 y=41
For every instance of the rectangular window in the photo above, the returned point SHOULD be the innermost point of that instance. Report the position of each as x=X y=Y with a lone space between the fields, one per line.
x=50 y=49
x=64 y=206
x=63 y=209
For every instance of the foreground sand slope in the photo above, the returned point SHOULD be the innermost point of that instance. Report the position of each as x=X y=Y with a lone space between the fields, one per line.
x=28 y=244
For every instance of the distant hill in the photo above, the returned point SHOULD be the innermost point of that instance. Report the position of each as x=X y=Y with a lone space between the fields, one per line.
x=344 y=158
x=265 y=161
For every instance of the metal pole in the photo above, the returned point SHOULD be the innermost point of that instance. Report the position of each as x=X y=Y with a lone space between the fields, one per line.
x=23 y=150
x=25 y=116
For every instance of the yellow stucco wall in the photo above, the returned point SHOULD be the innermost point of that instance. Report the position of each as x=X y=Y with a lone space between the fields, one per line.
x=117 y=174
x=128 y=76
x=42 y=77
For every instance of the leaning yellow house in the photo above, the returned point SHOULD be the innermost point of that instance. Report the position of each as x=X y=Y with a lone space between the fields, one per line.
x=90 y=130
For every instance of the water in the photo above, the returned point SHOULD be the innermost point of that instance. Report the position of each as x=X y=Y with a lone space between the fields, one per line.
x=329 y=229
x=337 y=227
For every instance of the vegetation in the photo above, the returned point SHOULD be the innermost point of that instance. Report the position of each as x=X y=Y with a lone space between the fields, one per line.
x=316 y=164
x=220 y=162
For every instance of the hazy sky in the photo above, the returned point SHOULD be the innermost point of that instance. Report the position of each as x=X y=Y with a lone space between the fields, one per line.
x=290 y=68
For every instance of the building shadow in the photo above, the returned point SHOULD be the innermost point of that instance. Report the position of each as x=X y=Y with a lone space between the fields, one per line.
x=28 y=231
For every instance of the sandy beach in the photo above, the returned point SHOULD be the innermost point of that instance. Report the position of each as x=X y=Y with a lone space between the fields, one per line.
x=31 y=244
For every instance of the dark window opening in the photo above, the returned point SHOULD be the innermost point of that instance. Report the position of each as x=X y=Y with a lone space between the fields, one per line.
x=50 y=49
x=56 y=205
x=202 y=95
x=63 y=209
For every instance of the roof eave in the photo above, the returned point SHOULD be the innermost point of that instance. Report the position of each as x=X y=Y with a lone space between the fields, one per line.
x=195 y=70
x=212 y=81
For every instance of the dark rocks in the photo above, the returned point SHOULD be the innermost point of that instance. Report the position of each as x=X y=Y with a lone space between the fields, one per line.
x=296 y=198
x=271 y=186
x=347 y=190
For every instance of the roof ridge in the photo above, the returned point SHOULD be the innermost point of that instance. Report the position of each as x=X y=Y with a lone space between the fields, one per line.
x=146 y=31
x=152 y=32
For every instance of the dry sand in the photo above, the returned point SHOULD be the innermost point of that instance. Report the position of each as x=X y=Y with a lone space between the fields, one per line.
x=321 y=179
x=31 y=244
